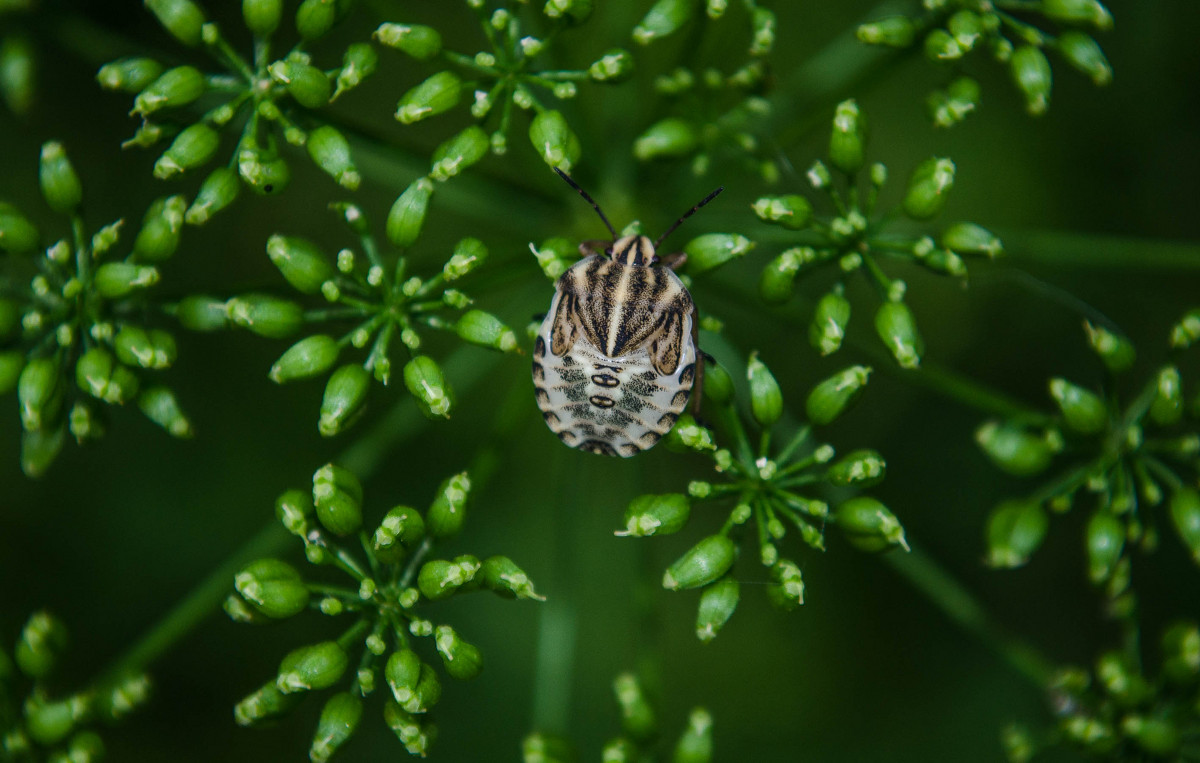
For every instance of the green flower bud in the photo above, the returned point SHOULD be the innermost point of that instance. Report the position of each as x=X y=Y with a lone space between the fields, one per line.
x=1031 y=72
x=778 y=278
x=174 y=87
x=1015 y=530
x=663 y=18
x=292 y=509
x=695 y=744
x=828 y=327
x=400 y=531
x=786 y=589
x=339 y=719
x=17 y=234
x=311 y=356
x=265 y=315
x=262 y=16
x=49 y=722
x=147 y=349
x=656 y=515
x=1013 y=449
x=420 y=42
x=969 y=238
x=426 y=383
x=614 y=66
x=42 y=642
x=928 y=188
x=460 y=152
x=275 y=588
x=84 y=422
x=181 y=18
x=766 y=399
x=330 y=151
x=407 y=214
x=553 y=138
x=868 y=525
x=1158 y=736
x=264 y=704
x=12 y=362
x=160 y=406
x=1083 y=410
x=338 y=496
x=895 y=325
x=1116 y=352
x=1078 y=12
x=701 y=564
x=688 y=435
x=1185 y=514
x=718 y=385
x=161 y=228
x=262 y=169
x=792 y=212
x=217 y=191
x=1167 y=406
x=555 y=256
x=670 y=137
x=40 y=394
x=85 y=747
x=202 y=313
x=317 y=666
x=637 y=716
x=941 y=46
x=316 y=17
x=440 y=579
x=469 y=253
x=424 y=694
x=448 y=511
x=306 y=83
x=114 y=280
x=1084 y=54
x=501 y=575
x=436 y=94
x=1120 y=678
x=1105 y=541
x=486 y=330
x=892 y=31
x=129 y=75
x=848 y=137
x=192 y=148
x=1183 y=334
x=462 y=659
x=830 y=398
x=403 y=672
x=859 y=468
x=301 y=262
x=762 y=26
x=98 y=374
x=717 y=604
x=950 y=106
x=572 y=11
x=707 y=252
x=1181 y=652
x=40 y=448
x=358 y=62
x=416 y=737
x=60 y=184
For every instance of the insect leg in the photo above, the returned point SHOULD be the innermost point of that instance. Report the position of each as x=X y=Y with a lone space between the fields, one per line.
x=674 y=260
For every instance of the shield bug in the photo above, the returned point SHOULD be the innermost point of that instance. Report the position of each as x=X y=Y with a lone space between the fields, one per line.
x=615 y=360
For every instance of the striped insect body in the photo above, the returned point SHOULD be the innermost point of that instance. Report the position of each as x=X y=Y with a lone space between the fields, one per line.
x=615 y=361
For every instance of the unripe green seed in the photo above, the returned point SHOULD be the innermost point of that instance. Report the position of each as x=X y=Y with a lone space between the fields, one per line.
x=1084 y=54
x=265 y=315
x=42 y=642
x=60 y=184
x=17 y=234
x=656 y=515
x=501 y=575
x=895 y=325
x=670 y=137
x=218 y=191
x=330 y=151
x=1013 y=449
x=1183 y=334
x=114 y=280
x=317 y=666
x=12 y=362
x=435 y=95
x=831 y=397
x=859 y=468
x=311 y=356
x=181 y=18
x=762 y=26
x=1031 y=72
x=574 y=12
x=358 y=62
x=1015 y=530
x=1105 y=542
x=40 y=394
x=426 y=383
x=174 y=87
x=941 y=47
x=48 y=723
x=928 y=188
x=1181 y=652
x=262 y=16
x=717 y=604
x=469 y=253
x=766 y=399
x=1120 y=678
x=1083 y=410
x=614 y=66
x=892 y=31
x=407 y=214
x=828 y=327
x=192 y=148
x=441 y=579
x=1159 y=736
x=1116 y=352
x=400 y=531
x=1185 y=515
x=638 y=719
x=337 y=495
x=718 y=384
x=160 y=406
x=339 y=719
x=1167 y=406
x=1078 y=12
x=264 y=704
x=40 y=448
x=701 y=564
x=460 y=152
x=695 y=744
x=420 y=42
x=848 y=137
x=301 y=262
x=307 y=84
x=316 y=17
x=417 y=737
x=129 y=75
x=403 y=672
x=292 y=509
x=461 y=658
x=98 y=374
x=778 y=278
x=448 y=511
x=554 y=140
x=161 y=229
x=202 y=313
x=146 y=349
x=262 y=169
x=792 y=212
x=969 y=238
x=786 y=589
x=952 y=105
x=868 y=525
x=486 y=330
x=273 y=587
x=704 y=253
x=663 y=18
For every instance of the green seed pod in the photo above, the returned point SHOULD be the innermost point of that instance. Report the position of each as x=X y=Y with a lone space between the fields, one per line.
x=146 y=349
x=358 y=62
x=161 y=229
x=868 y=525
x=98 y=374
x=262 y=16
x=307 y=84
x=1115 y=351
x=890 y=31
x=762 y=27
x=501 y=575
x=12 y=362
x=275 y=588
x=436 y=94
x=39 y=449
x=1120 y=679
x=301 y=262
x=1083 y=410
x=469 y=253
x=317 y=666
x=1185 y=514
x=710 y=251
x=717 y=604
x=848 y=137
x=40 y=394
x=1181 y=652
x=417 y=737
x=663 y=18
x=619 y=750
x=448 y=511
x=786 y=589
x=218 y=191
x=339 y=719
x=637 y=716
x=941 y=47
x=830 y=398
x=192 y=148
x=1084 y=54
x=950 y=106
x=407 y=214
x=460 y=152
x=666 y=138
x=262 y=169
x=265 y=315
x=440 y=579
x=969 y=238
x=895 y=325
x=828 y=326
x=426 y=383
x=42 y=642
x=264 y=704
x=60 y=184
x=292 y=509
x=656 y=515
x=330 y=151
x=403 y=672
x=701 y=564
x=420 y=42
x=181 y=18
x=792 y=212
x=1078 y=12
x=461 y=658
x=114 y=280
x=766 y=399
x=202 y=313
x=1159 y=736
x=616 y=65
x=695 y=744
x=1183 y=334
x=400 y=531
x=554 y=140
x=129 y=75
x=17 y=234
x=555 y=256
x=85 y=747
x=425 y=694
x=486 y=330
x=174 y=87
x=48 y=723
x=160 y=406
x=859 y=468
x=718 y=385
x=1015 y=530
x=928 y=188
x=574 y=12
x=779 y=276
x=1031 y=72
x=316 y=17
x=311 y=356
x=687 y=435
x=1013 y=449
x=338 y=497
x=1105 y=541
x=1167 y=407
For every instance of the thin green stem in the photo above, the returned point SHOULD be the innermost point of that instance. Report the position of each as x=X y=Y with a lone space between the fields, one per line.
x=1068 y=249
x=974 y=394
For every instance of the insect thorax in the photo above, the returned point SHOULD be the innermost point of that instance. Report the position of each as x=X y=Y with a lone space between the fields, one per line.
x=633 y=250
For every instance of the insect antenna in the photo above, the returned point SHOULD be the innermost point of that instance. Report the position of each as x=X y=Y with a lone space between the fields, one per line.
x=686 y=215
x=591 y=201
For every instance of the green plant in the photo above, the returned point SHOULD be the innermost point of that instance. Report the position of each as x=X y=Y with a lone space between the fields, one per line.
x=1037 y=486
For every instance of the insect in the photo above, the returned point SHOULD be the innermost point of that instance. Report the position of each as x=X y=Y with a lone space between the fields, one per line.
x=615 y=360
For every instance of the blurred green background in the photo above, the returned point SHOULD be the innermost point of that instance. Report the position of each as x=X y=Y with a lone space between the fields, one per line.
x=1096 y=200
